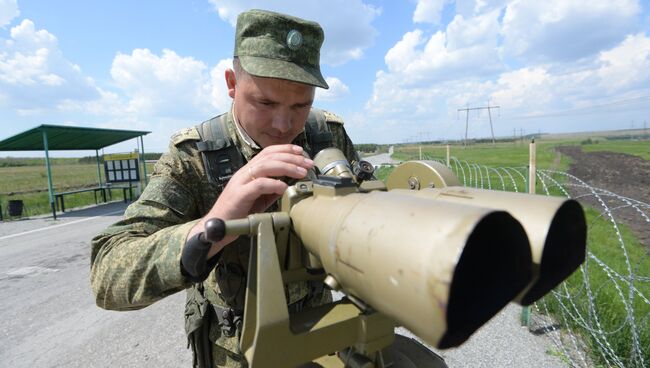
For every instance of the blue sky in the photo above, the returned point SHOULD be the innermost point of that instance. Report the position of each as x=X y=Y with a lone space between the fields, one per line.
x=398 y=70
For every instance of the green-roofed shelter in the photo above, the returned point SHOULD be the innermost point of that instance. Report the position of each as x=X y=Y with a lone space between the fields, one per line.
x=65 y=138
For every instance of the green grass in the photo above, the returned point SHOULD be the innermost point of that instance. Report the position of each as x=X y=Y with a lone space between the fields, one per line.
x=31 y=178
x=516 y=154
x=499 y=155
x=35 y=161
x=636 y=148
x=383 y=172
x=29 y=184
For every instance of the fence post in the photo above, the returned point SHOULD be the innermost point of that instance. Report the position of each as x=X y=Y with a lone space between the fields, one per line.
x=448 y=156
x=532 y=175
x=532 y=167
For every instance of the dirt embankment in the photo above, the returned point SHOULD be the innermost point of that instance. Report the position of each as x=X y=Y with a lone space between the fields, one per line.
x=625 y=175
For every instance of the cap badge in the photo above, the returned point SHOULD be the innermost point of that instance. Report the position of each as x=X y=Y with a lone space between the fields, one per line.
x=294 y=39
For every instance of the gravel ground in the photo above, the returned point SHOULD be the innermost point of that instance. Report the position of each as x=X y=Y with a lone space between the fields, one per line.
x=502 y=342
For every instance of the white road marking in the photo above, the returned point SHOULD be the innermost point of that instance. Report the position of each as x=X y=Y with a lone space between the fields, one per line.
x=30 y=270
x=57 y=226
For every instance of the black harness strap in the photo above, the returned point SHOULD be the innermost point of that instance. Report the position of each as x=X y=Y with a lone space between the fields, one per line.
x=221 y=158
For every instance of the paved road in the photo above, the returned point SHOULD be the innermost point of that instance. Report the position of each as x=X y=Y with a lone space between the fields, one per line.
x=382 y=158
x=49 y=318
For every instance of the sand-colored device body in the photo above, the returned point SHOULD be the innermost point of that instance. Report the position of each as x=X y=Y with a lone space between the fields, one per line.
x=555 y=226
x=424 y=264
x=420 y=251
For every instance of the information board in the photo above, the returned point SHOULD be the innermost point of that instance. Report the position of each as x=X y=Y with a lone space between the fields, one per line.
x=121 y=167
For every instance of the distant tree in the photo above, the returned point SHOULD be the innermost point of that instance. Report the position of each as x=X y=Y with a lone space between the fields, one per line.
x=366 y=147
x=93 y=159
x=152 y=156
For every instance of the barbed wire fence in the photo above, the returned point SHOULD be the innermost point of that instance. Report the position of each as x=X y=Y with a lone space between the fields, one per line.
x=601 y=315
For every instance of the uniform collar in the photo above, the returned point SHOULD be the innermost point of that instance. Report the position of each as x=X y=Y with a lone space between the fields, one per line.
x=242 y=133
x=241 y=139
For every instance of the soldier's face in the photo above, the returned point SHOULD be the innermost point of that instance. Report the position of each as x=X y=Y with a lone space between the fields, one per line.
x=272 y=111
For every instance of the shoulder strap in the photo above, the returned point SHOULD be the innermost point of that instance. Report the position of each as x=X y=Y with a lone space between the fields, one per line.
x=318 y=132
x=221 y=158
x=213 y=134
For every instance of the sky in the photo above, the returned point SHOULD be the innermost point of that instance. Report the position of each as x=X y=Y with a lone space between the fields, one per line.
x=398 y=70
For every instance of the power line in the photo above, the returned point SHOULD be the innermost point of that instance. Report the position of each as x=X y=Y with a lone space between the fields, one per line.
x=478 y=108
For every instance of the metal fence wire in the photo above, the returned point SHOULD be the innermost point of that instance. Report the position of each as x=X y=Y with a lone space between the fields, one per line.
x=600 y=316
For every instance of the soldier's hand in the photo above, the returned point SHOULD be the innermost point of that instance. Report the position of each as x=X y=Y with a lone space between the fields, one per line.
x=253 y=188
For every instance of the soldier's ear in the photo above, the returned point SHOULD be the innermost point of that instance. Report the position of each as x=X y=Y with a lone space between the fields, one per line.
x=231 y=82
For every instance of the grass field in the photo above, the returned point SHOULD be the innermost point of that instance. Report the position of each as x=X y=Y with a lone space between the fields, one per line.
x=516 y=154
x=501 y=154
x=34 y=178
x=29 y=184
x=637 y=148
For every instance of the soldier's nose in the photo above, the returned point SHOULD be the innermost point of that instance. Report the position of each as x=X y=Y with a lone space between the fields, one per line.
x=281 y=123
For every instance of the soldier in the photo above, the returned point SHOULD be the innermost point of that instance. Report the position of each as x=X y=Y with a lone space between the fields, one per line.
x=227 y=167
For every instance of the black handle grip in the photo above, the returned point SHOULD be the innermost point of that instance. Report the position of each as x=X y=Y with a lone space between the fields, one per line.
x=215 y=230
x=194 y=260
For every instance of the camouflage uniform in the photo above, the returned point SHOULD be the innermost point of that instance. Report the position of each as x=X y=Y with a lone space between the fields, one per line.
x=136 y=261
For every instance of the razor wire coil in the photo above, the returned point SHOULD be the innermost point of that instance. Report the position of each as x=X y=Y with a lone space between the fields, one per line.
x=585 y=321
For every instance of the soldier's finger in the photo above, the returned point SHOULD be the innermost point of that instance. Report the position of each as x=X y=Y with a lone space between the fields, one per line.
x=289 y=158
x=276 y=168
x=264 y=186
x=282 y=148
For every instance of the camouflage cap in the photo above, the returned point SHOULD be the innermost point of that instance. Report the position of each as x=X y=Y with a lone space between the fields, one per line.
x=280 y=46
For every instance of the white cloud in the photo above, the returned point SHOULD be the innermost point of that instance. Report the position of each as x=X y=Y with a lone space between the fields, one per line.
x=34 y=75
x=348 y=29
x=531 y=58
x=467 y=49
x=220 y=99
x=165 y=85
x=429 y=11
x=427 y=76
x=480 y=30
x=564 y=30
x=8 y=11
x=627 y=65
x=28 y=54
x=528 y=88
x=337 y=90
x=162 y=93
x=405 y=51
